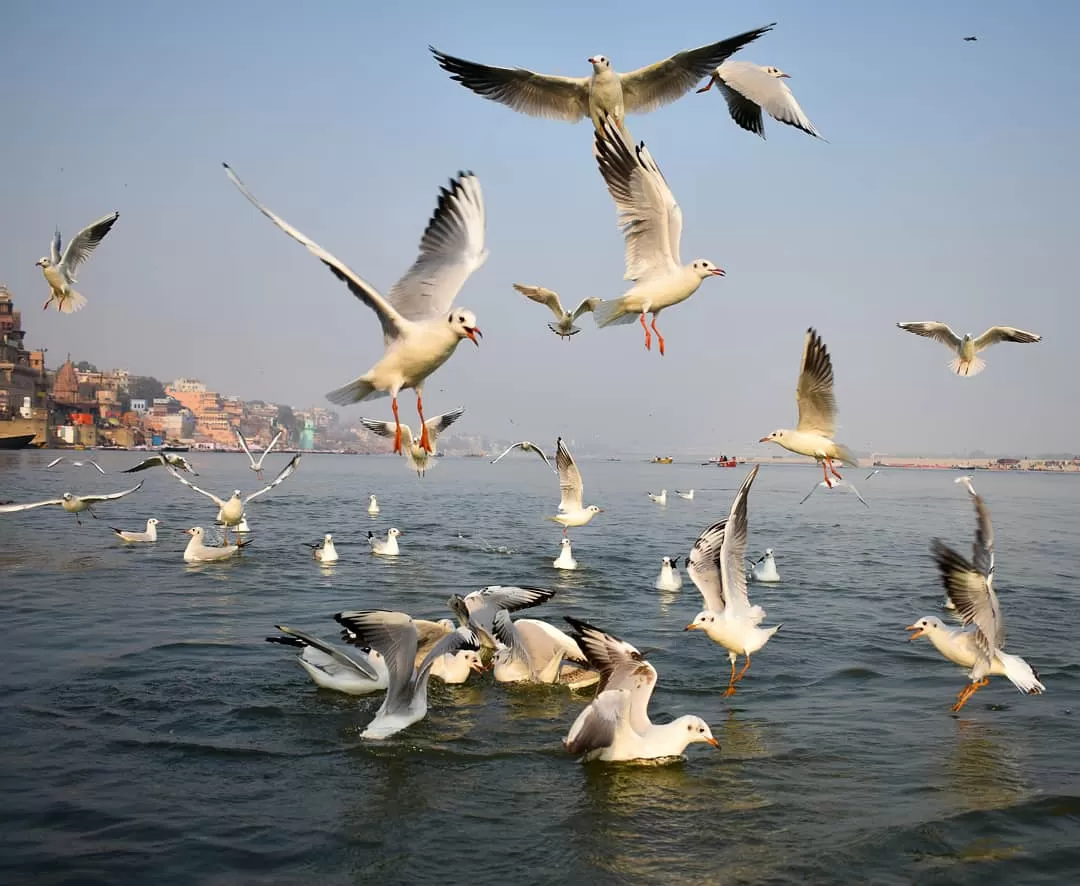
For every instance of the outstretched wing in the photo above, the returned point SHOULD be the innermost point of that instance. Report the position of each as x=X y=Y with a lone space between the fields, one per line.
x=542 y=296
x=814 y=393
x=440 y=423
x=570 y=484
x=937 y=331
x=1005 y=333
x=244 y=446
x=524 y=446
x=362 y=666
x=587 y=305
x=284 y=474
x=974 y=599
x=394 y=636
x=11 y=509
x=92 y=499
x=82 y=244
x=733 y=551
x=277 y=437
x=191 y=485
x=703 y=565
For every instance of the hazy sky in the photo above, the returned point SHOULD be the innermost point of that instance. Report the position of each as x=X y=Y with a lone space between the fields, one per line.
x=948 y=191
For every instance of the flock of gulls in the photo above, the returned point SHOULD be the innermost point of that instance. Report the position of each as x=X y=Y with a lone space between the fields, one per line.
x=390 y=652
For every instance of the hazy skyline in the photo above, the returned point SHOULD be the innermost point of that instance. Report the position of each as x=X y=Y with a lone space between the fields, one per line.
x=947 y=191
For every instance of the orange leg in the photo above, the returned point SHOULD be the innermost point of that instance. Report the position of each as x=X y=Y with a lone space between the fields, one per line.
x=425 y=440
x=648 y=335
x=745 y=668
x=659 y=337
x=707 y=86
x=968 y=691
x=832 y=468
x=825 y=471
x=731 y=682
x=397 y=425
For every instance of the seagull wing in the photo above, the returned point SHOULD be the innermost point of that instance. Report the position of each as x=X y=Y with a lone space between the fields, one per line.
x=191 y=485
x=937 y=331
x=733 y=552
x=542 y=296
x=597 y=725
x=573 y=490
x=82 y=244
x=361 y=666
x=272 y=443
x=245 y=447
x=1005 y=333
x=539 y=95
x=391 y=321
x=152 y=462
x=101 y=470
x=524 y=446
x=982 y=559
x=813 y=489
x=54 y=462
x=382 y=428
x=11 y=509
x=748 y=89
x=440 y=423
x=851 y=486
x=394 y=636
x=508 y=597
x=451 y=249
x=55 y=248
x=282 y=476
x=658 y=84
x=93 y=499
x=648 y=215
x=587 y=306
x=814 y=394
x=459 y=638
x=703 y=565
x=974 y=599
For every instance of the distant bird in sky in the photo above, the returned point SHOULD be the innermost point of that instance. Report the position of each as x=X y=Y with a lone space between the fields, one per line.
x=564 y=326
x=257 y=466
x=75 y=464
x=748 y=88
x=605 y=92
x=59 y=270
x=970 y=39
x=419 y=458
x=965 y=362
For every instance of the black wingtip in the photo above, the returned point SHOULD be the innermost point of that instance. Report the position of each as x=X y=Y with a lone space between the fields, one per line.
x=370 y=534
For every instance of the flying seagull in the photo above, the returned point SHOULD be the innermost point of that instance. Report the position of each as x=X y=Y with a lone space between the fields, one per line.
x=965 y=362
x=75 y=464
x=60 y=270
x=257 y=466
x=748 y=88
x=564 y=326
x=160 y=460
x=524 y=446
x=73 y=504
x=419 y=458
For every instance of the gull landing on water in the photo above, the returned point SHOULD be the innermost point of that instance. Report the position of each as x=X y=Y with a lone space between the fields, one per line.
x=60 y=270
x=965 y=362
x=421 y=329
x=257 y=466
x=564 y=326
x=747 y=88
x=419 y=458
x=605 y=92
x=651 y=224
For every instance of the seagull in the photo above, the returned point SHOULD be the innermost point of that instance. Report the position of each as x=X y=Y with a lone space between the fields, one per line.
x=965 y=362
x=764 y=570
x=358 y=673
x=970 y=39
x=60 y=271
x=669 y=578
x=605 y=92
x=419 y=458
x=716 y=566
x=660 y=499
x=832 y=483
x=197 y=552
x=616 y=725
x=978 y=644
x=688 y=495
x=651 y=223
x=476 y=611
x=76 y=464
x=149 y=535
x=384 y=547
x=373 y=505
x=323 y=551
x=747 y=88
x=525 y=446
x=571 y=512
x=565 y=560
x=564 y=327
x=534 y=651
x=394 y=636
x=73 y=504
x=160 y=460
x=421 y=329
x=231 y=510
x=257 y=466
x=817 y=411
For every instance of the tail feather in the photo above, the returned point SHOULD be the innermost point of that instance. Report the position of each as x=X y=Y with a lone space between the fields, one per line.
x=613 y=312
x=1021 y=674
x=71 y=302
x=119 y=532
x=967 y=367
x=355 y=391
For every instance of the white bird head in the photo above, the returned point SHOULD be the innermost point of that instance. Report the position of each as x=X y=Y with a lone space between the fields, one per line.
x=593 y=509
x=926 y=625
x=471 y=658
x=600 y=63
x=42 y=262
x=705 y=268
x=236 y=493
x=698 y=730
x=153 y=521
x=393 y=533
x=372 y=496
x=667 y=561
x=67 y=496
x=701 y=621
x=776 y=72
x=565 y=542
x=196 y=532
x=775 y=436
x=768 y=552
x=463 y=322
x=327 y=538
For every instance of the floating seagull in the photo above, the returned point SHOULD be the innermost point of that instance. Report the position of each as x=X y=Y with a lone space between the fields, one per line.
x=534 y=652
x=747 y=88
x=660 y=499
x=764 y=570
x=323 y=551
x=565 y=560
x=394 y=636
x=651 y=223
x=60 y=271
x=231 y=510
x=419 y=458
x=978 y=644
x=571 y=512
x=564 y=327
x=160 y=460
x=257 y=466
x=833 y=483
x=76 y=464
x=197 y=552
x=524 y=446
x=965 y=362
x=360 y=673
x=149 y=535
x=688 y=495
x=669 y=578
x=605 y=92
x=616 y=725
x=871 y=474
x=384 y=547
x=420 y=331
x=817 y=411
x=73 y=504
x=716 y=567
x=373 y=505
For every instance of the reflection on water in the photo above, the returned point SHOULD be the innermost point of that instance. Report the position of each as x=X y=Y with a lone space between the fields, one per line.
x=983 y=770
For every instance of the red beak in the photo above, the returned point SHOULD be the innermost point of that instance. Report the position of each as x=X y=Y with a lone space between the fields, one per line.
x=473 y=333
x=785 y=76
x=717 y=272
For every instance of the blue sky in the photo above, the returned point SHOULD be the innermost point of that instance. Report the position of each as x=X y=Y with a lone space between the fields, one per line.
x=947 y=191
